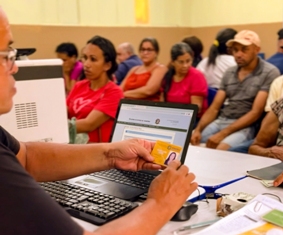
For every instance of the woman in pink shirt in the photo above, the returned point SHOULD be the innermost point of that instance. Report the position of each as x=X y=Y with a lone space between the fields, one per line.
x=183 y=83
x=72 y=68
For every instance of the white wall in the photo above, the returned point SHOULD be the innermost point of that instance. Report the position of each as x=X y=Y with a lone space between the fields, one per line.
x=95 y=12
x=235 y=12
x=162 y=13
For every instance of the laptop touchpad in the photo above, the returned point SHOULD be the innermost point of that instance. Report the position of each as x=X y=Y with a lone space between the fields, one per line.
x=120 y=190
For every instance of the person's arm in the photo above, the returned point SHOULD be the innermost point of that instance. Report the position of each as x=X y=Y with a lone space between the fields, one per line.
x=151 y=87
x=198 y=100
x=51 y=161
x=67 y=76
x=209 y=116
x=213 y=110
x=248 y=119
x=166 y=195
x=67 y=82
x=94 y=120
x=122 y=85
x=198 y=90
x=266 y=136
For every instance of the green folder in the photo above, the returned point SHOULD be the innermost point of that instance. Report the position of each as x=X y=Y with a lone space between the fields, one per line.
x=275 y=217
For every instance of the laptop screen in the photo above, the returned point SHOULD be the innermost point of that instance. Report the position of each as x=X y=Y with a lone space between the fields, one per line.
x=168 y=122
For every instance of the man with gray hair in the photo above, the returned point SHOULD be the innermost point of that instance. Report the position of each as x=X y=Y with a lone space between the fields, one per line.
x=127 y=60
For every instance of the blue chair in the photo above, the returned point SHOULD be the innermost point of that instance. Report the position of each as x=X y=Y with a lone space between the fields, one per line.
x=211 y=93
x=261 y=55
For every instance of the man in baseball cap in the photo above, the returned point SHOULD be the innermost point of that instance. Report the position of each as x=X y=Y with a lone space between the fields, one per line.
x=277 y=58
x=245 y=87
x=250 y=43
x=245 y=37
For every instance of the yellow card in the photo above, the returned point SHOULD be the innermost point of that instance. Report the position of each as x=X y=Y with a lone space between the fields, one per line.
x=164 y=152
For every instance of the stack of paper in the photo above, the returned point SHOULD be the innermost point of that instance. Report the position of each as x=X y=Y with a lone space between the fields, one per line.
x=262 y=215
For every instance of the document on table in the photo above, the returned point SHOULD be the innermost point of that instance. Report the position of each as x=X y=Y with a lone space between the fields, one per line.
x=248 y=220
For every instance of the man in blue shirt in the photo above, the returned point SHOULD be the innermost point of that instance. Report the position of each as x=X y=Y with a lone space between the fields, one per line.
x=127 y=59
x=277 y=59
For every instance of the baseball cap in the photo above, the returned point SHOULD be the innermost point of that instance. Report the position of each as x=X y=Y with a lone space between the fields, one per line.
x=245 y=37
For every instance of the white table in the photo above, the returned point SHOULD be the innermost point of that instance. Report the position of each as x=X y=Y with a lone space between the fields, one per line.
x=205 y=212
x=211 y=167
x=214 y=167
x=252 y=186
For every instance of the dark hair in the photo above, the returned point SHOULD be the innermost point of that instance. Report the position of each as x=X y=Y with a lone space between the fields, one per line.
x=68 y=48
x=180 y=49
x=153 y=42
x=197 y=47
x=108 y=50
x=219 y=46
x=177 y=50
x=280 y=34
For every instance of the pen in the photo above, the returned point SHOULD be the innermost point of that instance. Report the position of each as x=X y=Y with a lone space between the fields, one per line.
x=198 y=225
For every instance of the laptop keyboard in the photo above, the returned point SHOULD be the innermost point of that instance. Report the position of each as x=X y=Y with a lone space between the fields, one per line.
x=87 y=204
x=135 y=179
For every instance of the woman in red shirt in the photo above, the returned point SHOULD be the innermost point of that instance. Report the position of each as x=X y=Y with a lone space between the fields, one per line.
x=144 y=82
x=183 y=83
x=94 y=101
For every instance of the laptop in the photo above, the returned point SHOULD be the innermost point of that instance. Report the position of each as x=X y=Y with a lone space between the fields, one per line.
x=148 y=120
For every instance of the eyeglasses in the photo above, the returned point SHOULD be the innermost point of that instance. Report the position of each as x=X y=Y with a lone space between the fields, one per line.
x=146 y=50
x=9 y=57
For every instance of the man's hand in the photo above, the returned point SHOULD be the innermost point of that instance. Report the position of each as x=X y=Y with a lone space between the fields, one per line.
x=278 y=180
x=215 y=140
x=133 y=155
x=195 y=138
x=172 y=187
x=276 y=152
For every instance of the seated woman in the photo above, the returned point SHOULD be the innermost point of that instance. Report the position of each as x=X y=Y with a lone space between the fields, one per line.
x=72 y=68
x=144 y=81
x=183 y=83
x=219 y=58
x=94 y=101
